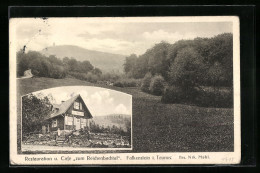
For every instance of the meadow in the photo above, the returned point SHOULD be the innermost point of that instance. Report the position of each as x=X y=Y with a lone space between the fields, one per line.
x=159 y=127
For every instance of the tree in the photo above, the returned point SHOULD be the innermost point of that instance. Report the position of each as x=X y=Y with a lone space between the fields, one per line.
x=187 y=69
x=34 y=111
x=72 y=64
x=221 y=58
x=158 y=63
x=22 y=63
x=130 y=63
x=84 y=67
x=96 y=71
x=157 y=85
x=146 y=82
x=54 y=60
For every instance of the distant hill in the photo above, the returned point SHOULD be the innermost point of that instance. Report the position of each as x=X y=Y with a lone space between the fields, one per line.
x=118 y=120
x=105 y=61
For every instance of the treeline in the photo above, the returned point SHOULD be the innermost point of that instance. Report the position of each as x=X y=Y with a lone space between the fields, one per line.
x=192 y=71
x=96 y=128
x=53 y=67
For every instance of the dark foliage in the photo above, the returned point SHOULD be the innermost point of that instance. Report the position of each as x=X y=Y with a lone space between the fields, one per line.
x=222 y=98
x=84 y=76
x=34 y=111
x=127 y=82
x=53 y=67
x=154 y=61
x=157 y=85
x=177 y=94
x=202 y=61
x=186 y=66
x=146 y=82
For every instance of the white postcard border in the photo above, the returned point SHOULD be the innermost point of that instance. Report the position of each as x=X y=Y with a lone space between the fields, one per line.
x=125 y=158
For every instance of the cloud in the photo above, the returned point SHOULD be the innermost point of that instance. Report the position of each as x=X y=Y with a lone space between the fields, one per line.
x=161 y=35
x=121 y=109
x=100 y=97
x=95 y=98
x=99 y=101
x=107 y=44
x=108 y=34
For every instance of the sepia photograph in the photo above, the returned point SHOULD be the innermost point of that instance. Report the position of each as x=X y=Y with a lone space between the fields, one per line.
x=62 y=119
x=125 y=90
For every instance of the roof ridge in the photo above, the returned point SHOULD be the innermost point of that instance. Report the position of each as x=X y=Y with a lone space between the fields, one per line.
x=63 y=107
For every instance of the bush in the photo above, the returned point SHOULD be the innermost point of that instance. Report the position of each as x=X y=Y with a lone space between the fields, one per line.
x=57 y=72
x=218 y=97
x=109 y=77
x=157 y=85
x=127 y=83
x=83 y=76
x=77 y=75
x=206 y=97
x=176 y=94
x=146 y=82
x=118 y=84
x=92 y=77
x=173 y=94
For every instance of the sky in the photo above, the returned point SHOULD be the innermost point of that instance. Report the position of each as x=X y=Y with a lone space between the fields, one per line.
x=113 y=35
x=100 y=101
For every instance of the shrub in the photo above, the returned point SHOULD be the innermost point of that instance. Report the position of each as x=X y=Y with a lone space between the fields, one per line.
x=118 y=84
x=176 y=94
x=57 y=72
x=157 y=85
x=173 y=94
x=146 y=82
x=83 y=76
x=215 y=97
x=109 y=77
x=127 y=82
x=92 y=77
x=205 y=97
x=77 y=75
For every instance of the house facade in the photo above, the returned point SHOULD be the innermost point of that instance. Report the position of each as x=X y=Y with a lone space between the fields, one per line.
x=72 y=114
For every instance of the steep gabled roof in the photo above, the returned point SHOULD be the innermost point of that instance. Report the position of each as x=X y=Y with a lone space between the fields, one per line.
x=63 y=107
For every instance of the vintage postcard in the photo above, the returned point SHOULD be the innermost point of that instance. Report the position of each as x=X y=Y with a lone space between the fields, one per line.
x=124 y=90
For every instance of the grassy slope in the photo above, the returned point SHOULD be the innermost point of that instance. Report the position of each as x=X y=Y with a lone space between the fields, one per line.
x=161 y=127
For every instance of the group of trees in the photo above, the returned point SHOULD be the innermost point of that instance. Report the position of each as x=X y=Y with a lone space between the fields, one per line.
x=34 y=111
x=153 y=84
x=208 y=61
x=186 y=66
x=52 y=66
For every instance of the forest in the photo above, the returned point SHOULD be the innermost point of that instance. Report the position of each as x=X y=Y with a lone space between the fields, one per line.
x=53 y=67
x=198 y=71
x=195 y=72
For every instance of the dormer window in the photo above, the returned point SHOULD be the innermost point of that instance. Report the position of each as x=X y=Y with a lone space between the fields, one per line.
x=76 y=105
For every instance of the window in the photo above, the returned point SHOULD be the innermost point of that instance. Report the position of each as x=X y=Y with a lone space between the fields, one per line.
x=76 y=105
x=69 y=120
x=80 y=106
x=83 y=123
x=54 y=123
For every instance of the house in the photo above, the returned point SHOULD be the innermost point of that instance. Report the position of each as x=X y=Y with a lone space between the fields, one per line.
x=72 y=114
